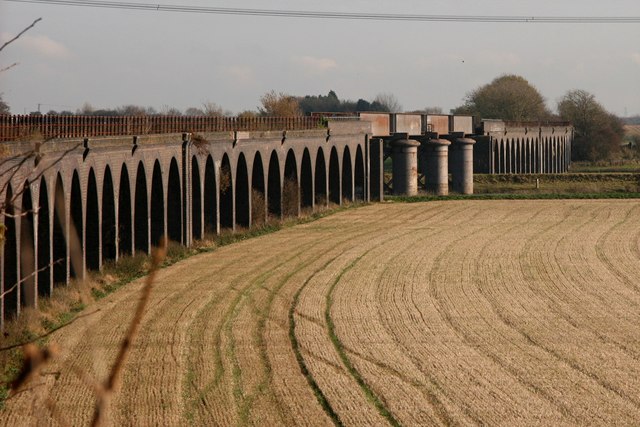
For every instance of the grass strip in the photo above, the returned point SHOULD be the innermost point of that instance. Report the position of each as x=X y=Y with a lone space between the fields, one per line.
x=371 y=396
x=317 y=391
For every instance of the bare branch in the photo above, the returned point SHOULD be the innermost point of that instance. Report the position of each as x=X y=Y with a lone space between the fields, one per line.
x=112 y=383
x=11 y=289
x=20 y=34
x=9 y=67
x=39 y=337
x=34 y=359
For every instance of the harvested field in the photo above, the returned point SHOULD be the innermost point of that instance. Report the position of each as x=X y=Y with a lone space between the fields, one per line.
x=462 y=312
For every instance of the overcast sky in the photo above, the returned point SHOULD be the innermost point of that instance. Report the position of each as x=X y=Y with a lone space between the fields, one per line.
x=110 y=58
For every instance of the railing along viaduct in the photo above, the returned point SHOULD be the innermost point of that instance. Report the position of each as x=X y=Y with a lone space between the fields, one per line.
x=122 y=194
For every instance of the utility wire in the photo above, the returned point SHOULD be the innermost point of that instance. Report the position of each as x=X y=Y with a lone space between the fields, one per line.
x=339 y=15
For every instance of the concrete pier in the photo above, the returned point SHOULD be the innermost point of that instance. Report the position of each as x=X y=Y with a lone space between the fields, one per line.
x=462 y=165
x=405 y=167
x=436 y=166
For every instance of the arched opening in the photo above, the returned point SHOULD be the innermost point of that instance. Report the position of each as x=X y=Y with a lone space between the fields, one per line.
x=347 y=176
x=359 y=175
x=226 y=194
x=321 y=179
x=44 y=241
x=174 y=204
x=555 y=155
x=141 y=212
x=546 y=157
x=242 y=192
x=109 y=231
x=306 y=181
x=503 y=157
x=258 y=203
x=508 y=168
x=92 y=241
x=496 y=157
x=157 y=205
x=334 y=177
x=27 y=250
x=10 y=259
x=125 y=232
x=59 y=238
x=274 y=193
x=76 y=249
x=196 y=200
x=210 y=198
x=290 y=191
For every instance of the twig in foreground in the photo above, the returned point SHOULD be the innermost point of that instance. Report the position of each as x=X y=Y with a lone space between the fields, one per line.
x=113 y=381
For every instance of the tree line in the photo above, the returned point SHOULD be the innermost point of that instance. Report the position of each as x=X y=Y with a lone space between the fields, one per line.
x=598 y=134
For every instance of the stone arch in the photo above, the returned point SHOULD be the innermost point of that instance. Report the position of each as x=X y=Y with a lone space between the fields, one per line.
x=196 y=200
x=320 y=179
x=157 y=206
x=359 y=178
x=92 y=227
x=226 y=193
x=109 y=231
x=521 y=155
x=59 y=238
x=76 y=249
x=547 y=156
x=210 y=198
x=258 y=202
x=274 y=190
x=556 y=155
x=306 y=181
x=290 y=189
x=347 y=175
x=527 y=156
x=44 y=241
x=141 y=211
x=497 y=156
x=513 y=156
x=27 y=250
x=125 y=230
x=507 y=155
x=334 y=177
x=174 y=204
x=10 y=259
x=242 y=194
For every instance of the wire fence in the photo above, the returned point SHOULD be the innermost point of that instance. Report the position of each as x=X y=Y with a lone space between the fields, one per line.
x=25 y=127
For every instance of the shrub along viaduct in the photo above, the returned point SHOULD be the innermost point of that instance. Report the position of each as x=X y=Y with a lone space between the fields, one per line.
x=73 y=203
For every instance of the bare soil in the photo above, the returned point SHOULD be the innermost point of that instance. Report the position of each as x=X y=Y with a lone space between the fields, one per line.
x=461 y=312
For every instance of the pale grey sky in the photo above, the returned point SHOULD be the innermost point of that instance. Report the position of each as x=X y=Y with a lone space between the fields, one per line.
x=112 y=57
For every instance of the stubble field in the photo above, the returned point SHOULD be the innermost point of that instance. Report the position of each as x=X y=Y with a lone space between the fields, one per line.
x=441 y=313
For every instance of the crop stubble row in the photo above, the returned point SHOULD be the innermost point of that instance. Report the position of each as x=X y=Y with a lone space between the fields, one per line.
x=496 y=312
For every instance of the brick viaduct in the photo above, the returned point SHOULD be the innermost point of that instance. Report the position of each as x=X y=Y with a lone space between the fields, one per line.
x=122 y=194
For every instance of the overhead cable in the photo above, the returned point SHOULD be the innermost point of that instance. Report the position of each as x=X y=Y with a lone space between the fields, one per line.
x=156 y=7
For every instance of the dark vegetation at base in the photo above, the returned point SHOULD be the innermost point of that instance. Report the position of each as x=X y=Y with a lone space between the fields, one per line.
x=566 y=184
x=498 y=196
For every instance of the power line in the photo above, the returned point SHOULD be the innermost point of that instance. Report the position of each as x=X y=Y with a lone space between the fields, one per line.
x=339 y=15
